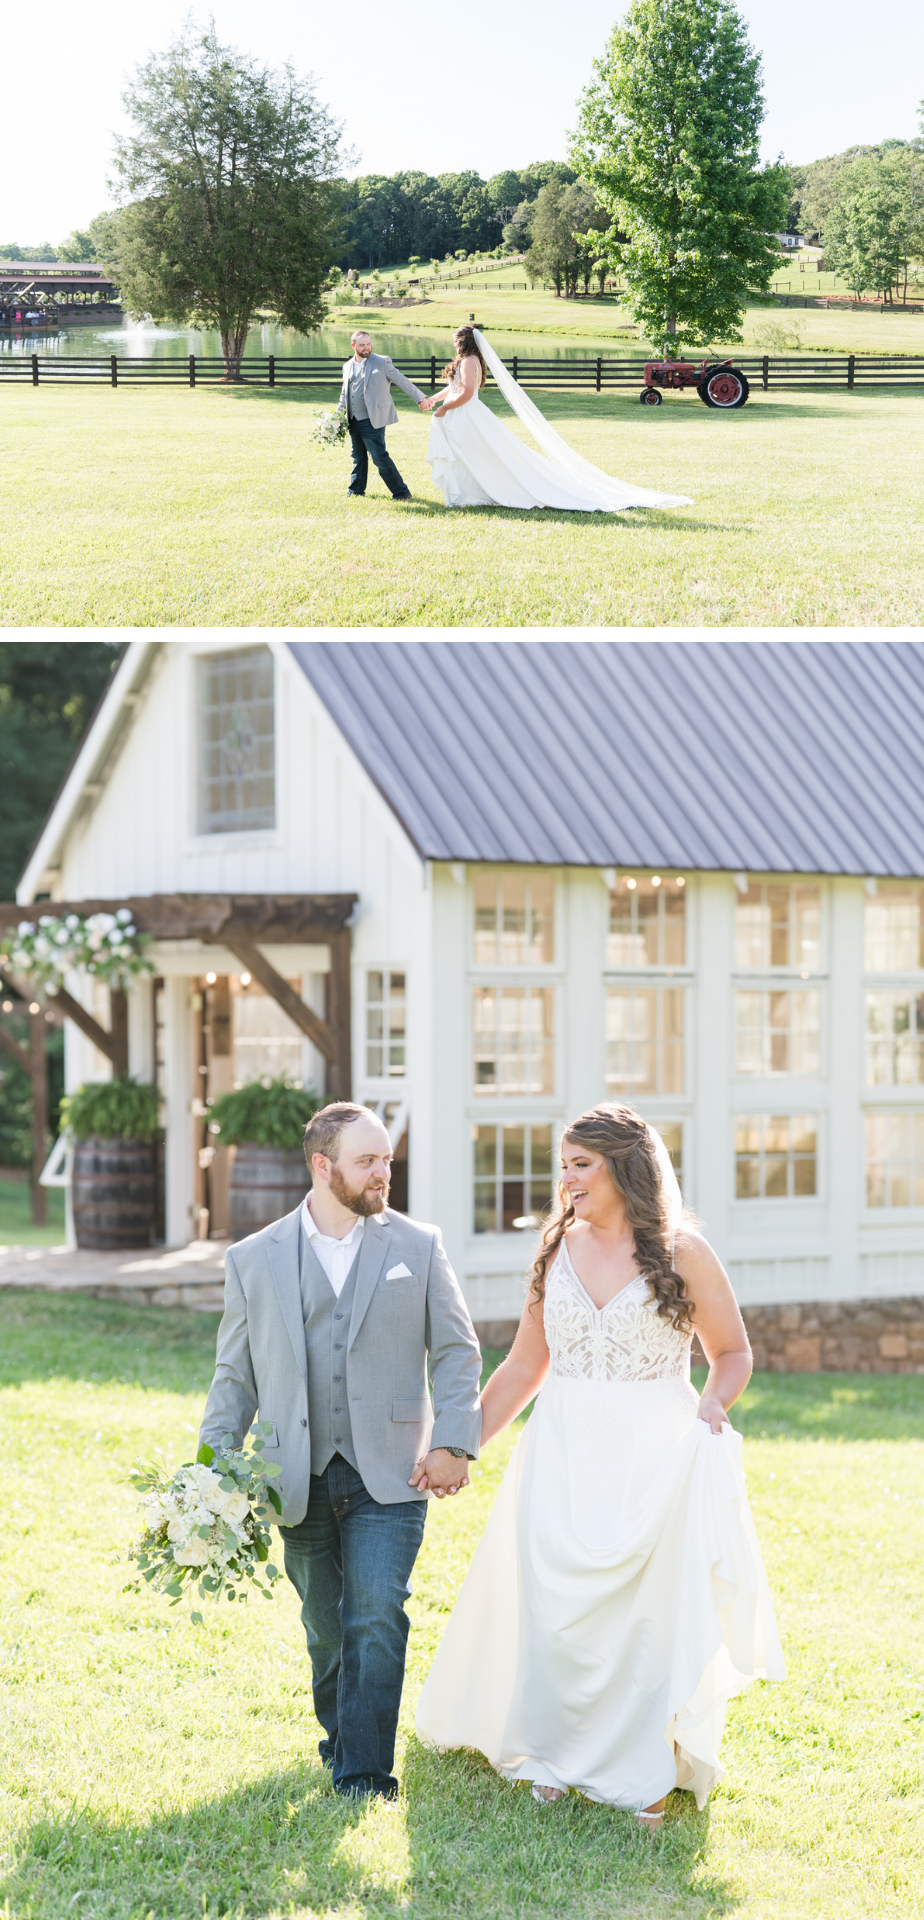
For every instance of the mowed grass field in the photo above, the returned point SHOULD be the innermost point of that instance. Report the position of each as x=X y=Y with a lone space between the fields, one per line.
x=152 y=1770
x=214 y=507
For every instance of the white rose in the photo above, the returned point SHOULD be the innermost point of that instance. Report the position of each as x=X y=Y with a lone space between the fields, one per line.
x=155 y=1512
x=177 y=1527
x=24 y=929
x=234 y=1507
x=210 y=1492
x=194 y=1553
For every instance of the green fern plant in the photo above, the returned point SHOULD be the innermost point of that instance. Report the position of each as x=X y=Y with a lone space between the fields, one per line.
x=120 y=1109
x=263 y=1113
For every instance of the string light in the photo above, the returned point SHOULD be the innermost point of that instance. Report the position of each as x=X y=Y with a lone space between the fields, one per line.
x=245 y=979
x=210 y=979
x=631 y=884
x=656 y=879
x=681 y=882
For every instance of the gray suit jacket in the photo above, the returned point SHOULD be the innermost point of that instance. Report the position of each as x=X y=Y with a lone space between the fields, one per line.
x=378 y=373
x=261 y=1362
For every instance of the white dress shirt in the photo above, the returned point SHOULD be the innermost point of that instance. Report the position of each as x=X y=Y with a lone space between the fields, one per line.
x=336 y=1256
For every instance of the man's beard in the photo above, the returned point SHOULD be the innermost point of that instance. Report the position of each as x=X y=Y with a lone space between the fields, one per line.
x=363 y=1203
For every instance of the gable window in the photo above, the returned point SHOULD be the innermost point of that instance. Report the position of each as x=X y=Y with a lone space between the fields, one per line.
x=512 y=1028
x=778 y=925
x=647 y=922
x=777 y=1032
x=514 y=918
x=512 y=1177
x=895 y=1159
x=236 y=741
x=776 y=1156
x=644 y=1040
x=895 y=930
x=385 y=1026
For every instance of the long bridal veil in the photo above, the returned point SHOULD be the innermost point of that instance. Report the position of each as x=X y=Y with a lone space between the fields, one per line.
x=613 y=494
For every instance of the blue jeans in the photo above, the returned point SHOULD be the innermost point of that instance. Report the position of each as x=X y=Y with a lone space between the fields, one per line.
x=350 y=1562
x=367 y=440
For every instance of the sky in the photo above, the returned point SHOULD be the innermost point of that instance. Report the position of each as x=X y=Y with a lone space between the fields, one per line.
x=435 y=89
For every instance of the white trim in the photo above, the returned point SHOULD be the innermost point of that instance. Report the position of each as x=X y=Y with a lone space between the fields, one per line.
x=122 y=694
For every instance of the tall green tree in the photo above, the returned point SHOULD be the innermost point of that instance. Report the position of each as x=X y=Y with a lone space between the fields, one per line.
x=228 y=176
x=668 y=137
x=48 y=690
x=561 y=253
x=874 y=231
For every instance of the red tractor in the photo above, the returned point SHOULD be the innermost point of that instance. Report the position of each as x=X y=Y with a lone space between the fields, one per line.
x=717 y=382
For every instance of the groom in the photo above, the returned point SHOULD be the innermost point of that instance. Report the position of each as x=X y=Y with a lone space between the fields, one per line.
x=366 y=396
x=330 y=1317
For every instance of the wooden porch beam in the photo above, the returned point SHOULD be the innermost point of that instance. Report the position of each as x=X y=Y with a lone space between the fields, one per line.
x=72 y=1010
x=20 y=1054
x=310 y=918
x=319 y=1033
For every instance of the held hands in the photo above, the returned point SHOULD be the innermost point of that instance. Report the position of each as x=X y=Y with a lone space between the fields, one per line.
x=712 y=1411
x=440 y=1473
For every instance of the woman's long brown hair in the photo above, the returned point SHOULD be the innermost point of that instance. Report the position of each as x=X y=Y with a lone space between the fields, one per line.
x=620 y=1135
x=466 y=347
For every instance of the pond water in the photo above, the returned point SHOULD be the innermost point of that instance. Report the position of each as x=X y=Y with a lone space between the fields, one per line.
x=140 y=341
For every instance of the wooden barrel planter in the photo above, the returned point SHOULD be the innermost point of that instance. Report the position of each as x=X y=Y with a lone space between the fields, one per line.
x=266 y=1182
x=113 y=1193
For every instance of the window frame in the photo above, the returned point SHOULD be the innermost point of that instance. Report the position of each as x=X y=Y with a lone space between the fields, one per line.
x=892 y=976
x=477 y=1236
x=763 y=1076
x=872 y=1216
x=233 y=838
x=482 y=971
x=750 y=1203
x=382 y=1080
x=793 y=969
x=650 y=969
x=646 y=983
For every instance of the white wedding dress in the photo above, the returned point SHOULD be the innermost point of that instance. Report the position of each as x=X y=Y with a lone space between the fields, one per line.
x=617 y=1598
x=477 y=462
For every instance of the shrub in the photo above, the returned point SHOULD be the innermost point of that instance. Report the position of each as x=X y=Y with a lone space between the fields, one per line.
x=121 y=1109
x=264 y=1113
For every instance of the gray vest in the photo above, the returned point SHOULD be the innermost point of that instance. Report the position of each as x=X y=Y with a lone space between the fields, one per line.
x=327 y=1328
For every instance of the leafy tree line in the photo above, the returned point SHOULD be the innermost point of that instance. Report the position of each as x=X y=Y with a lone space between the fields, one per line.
x=48 y=692
x=867 y=207
x=419 y=216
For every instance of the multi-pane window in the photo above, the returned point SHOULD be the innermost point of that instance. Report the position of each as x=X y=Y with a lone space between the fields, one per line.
x=895 y=930
x=895 y=1038
x=514 y=918
x=513 y=1052
x=777 y=1032
x=647 y=922
x=895 y=1159
x=644 y=1040
x=386 y=1026
x=778 y=925
x=513 y=1177
x=237 y=781
x=776 y=1156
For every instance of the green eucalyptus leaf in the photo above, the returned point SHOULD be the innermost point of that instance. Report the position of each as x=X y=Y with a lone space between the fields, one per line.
x=274 y=1498
x=196 y=1618
x=205 y=1455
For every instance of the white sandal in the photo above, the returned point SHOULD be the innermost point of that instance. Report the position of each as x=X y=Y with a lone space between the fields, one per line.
x=549 y=1797
x=654 y=1820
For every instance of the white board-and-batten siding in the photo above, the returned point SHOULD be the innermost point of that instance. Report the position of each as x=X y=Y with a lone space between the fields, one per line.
x=335 y=833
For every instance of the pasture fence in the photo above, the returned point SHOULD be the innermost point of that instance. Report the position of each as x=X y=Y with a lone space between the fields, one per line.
x=598 y=373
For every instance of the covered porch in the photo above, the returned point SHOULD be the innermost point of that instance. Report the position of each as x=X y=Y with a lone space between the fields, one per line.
x=244 y=986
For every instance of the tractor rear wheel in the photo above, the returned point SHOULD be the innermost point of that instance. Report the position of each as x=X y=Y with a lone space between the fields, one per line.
x=723 y=387
x=650 y=397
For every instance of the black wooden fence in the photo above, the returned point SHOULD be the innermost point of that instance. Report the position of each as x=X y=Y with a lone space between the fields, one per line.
x=598 y=374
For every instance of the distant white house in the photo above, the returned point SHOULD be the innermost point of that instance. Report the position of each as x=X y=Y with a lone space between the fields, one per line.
x=507 y=879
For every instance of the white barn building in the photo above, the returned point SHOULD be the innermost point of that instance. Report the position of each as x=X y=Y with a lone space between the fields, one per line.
x=510 y=878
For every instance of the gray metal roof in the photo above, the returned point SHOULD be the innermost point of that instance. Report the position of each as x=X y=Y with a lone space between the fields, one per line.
x=775 y=756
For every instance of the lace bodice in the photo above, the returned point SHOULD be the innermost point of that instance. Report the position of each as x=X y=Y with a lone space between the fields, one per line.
x=625 y=1340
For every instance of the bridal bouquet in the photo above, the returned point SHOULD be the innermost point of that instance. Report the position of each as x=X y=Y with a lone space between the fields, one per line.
x=208 y=1524
x=330 y=429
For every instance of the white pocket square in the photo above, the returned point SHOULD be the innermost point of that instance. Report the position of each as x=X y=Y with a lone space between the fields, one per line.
x=400 y=1272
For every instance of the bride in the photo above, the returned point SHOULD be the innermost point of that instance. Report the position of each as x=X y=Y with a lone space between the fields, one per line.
x=477 y=462
x=617 y=1599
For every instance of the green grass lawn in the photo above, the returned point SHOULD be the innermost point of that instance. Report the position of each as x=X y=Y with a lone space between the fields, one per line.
x=16 y=1229
x=503 y=308
x=213 y=507
x=157 y=1771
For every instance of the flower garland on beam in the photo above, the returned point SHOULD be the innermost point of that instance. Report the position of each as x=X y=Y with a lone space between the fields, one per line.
x=107 y=945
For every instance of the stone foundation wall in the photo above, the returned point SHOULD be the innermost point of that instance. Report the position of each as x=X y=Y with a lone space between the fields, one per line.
x=843 y=1336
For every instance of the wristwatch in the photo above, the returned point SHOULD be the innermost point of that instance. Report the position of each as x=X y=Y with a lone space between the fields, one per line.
x=458 y=1453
